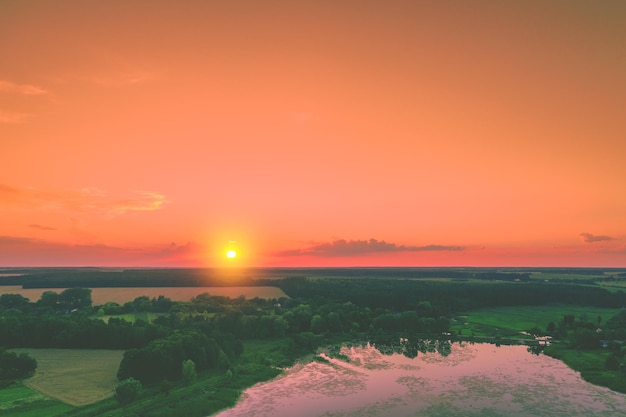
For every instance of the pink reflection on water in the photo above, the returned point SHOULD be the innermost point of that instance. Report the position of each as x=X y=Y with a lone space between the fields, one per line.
x=473 y=380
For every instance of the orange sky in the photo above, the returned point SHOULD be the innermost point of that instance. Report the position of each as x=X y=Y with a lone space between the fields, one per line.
x=312 y=133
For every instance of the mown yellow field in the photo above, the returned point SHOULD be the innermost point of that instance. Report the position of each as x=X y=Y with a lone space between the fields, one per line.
x=122 y=295
x=75 y=376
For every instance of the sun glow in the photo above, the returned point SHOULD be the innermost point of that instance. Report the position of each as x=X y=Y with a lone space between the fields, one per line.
x=230 y=254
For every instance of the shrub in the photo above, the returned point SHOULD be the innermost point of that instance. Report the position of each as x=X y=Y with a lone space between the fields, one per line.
x=127 y=391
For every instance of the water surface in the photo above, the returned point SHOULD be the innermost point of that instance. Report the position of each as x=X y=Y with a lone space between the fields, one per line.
x=472 y=380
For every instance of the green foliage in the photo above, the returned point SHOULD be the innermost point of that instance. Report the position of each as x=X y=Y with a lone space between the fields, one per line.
x=16 y=301
x=222 y=361
x=163 y=358
x=612 y=362
x=75 y=298
x=320 y=359
x=592 y=365
x=304 y=342
x=166 y=386
x=20 y=401
x=585 y=339
x=510 y=321
x=49 y=300
x=189 y=371
x=14 y=366
x=317 y=325
x=333 y=322
x=447 y=297
x=127 y=391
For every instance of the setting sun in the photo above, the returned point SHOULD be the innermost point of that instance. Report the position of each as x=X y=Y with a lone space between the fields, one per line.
x=231 y=254
x=291 y=142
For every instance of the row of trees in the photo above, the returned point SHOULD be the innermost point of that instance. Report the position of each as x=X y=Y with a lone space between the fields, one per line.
x=77 y=332
x=446 y=298
x=583 y=334
x=71 y=299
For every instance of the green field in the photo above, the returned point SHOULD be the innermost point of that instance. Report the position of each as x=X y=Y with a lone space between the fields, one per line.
x=551 y=276
x=74 y=376
x=510 y=321
x=132 y=317
x=21 y=401
x=211 y=392
x=613 y=285
x=86 y=378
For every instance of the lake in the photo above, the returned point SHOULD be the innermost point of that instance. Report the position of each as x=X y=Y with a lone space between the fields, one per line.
x=471 y=380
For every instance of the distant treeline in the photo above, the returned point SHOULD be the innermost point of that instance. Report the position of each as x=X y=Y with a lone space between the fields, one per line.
x=102 y=278
x=206 y=277
x=448 y=298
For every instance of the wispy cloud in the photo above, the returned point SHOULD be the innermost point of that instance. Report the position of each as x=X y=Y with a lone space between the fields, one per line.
x=8 y=192
x=85 y=200
x=15 y=240
x=344 y=247
x=40 y=227
x=23 y=89
x=11 y=88
x=139 y=201
x=118 y=79
x=22 y=251
x=7 y=117
x=589 y=238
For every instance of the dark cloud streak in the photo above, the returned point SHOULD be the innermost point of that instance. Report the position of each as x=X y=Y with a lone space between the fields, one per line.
x=589 y=238
x=25 y=251
x=15 y=240
x=344 y=247
x=40 y=227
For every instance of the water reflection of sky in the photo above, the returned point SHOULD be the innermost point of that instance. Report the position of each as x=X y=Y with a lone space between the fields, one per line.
x=472 y=380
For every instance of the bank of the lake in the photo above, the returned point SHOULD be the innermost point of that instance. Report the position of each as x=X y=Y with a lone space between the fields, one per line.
x=590 y=364
x=516 y=322
x=470 y=380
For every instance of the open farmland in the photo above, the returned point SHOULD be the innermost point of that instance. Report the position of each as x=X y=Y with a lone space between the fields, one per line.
x=101 y=296
x=511 y=321
x=75 y=376
x=21 y=401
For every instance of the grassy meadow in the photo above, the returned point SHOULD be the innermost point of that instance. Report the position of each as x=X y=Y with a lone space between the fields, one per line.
x=81 y=384
x=210 y=393
x=555 y=276
x=74 y=376
x=21 y=401
x=511 y=321
x=119 y=295
x=613 y=286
